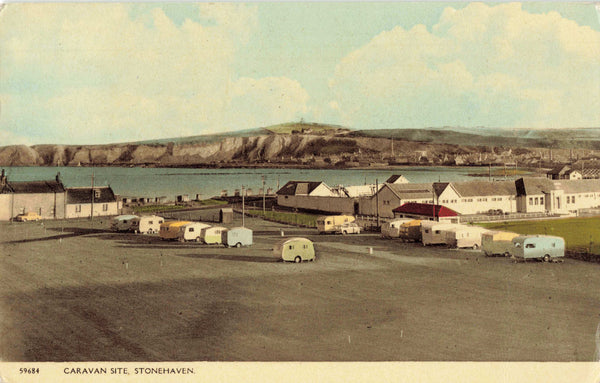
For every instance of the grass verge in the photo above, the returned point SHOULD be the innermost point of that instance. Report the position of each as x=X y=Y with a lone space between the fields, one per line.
x=300 y=219
x=580 y=234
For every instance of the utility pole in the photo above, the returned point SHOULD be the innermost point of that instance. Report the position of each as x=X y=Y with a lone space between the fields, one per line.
x=243 y=212
x=263 y=187
x=92 y=211
x=377 y=199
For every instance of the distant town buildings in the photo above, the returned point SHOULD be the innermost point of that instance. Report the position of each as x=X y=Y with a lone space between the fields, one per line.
x=524 y=195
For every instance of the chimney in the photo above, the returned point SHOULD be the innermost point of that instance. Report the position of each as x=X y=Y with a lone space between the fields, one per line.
x=2 y=178
x=58 y=177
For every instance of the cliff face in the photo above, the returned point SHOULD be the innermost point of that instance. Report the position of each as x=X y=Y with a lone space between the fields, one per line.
x=271 y=149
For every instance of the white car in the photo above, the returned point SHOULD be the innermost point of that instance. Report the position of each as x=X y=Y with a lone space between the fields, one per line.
x=349 y=228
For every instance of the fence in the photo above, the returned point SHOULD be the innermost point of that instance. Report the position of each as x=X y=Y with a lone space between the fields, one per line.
x=503 y=217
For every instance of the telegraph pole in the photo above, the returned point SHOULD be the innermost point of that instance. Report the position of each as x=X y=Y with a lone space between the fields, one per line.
x=263 y=187
x=243 y=212
x=377 y=199
x=92 y=211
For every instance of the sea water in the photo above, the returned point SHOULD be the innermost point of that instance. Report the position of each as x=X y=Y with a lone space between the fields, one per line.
x=170 y=182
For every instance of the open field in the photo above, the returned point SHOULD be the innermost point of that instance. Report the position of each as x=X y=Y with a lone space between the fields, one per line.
x=73 y=291
x=579 y=233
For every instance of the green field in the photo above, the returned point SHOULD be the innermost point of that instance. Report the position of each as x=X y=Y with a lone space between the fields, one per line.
x=307 y=220
x=580 y=234
x=159 y=208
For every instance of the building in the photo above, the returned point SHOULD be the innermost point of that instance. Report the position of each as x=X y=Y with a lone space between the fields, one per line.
x=397 y=179
x=46 y=198
x=426 y=211
x=477 y=197
x=317 y=196
x=564 y=172
x=579 y=194
x=392 y=195
x=538 y=195
x=81 y=200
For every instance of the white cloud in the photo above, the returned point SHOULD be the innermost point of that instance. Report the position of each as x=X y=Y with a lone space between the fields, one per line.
x=481 y=65
x=88 y=73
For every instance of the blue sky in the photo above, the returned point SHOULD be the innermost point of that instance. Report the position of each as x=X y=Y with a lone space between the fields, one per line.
x=113 y=72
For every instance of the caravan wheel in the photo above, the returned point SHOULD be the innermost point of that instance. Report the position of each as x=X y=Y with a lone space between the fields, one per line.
x=198 y=239
x=238 y=245
x=547 y=258
x=298 y=259
x=475 y=246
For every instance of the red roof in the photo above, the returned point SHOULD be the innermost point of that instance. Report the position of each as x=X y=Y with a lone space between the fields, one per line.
x=425 y=209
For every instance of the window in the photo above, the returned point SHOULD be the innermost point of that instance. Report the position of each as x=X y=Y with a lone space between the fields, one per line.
x=191 y=230
x=530 y=246
x=536 y=200
x=530 y=200
x=105 y=207
x=78 y=209
x=573 y=199
x=150 y=222
x=305 y=246
x=290 y=247
x=541 y=200
x=97 y=193
x=568 y=199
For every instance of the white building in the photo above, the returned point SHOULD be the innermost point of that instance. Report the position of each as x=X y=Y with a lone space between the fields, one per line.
x=477 y=197
x=81 y=200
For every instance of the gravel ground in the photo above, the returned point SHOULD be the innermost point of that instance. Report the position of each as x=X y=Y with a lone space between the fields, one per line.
x=74 y=291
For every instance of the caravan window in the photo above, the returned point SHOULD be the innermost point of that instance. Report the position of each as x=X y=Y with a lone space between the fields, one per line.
x=290 y=247
x=191 y=230
x=150 y=222
x=530 y=246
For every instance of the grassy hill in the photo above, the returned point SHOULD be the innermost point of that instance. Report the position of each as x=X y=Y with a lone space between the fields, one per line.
x=517 y=138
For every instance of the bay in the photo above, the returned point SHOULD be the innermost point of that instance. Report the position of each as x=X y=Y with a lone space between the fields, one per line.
x=209 y=182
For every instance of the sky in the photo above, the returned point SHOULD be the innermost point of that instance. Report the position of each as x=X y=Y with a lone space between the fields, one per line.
x=95 y=73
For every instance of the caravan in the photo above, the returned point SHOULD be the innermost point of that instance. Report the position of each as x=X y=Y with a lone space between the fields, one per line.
x=497 y=243
x=192 y=231
x=543 y=247
x=434 y=233
x=170 y=229
x=295 y=250
x=237 y=236
x=123 y=223
x=213 y=235
x=463 y=236
x=148 y=224
x=391 y=229
x=411 y=231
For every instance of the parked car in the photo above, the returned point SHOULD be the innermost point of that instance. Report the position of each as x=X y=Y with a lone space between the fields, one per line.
x=331 y=223
x=349 y=228
x=29 y=216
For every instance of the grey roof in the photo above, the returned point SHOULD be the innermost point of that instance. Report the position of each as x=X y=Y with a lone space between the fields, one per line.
x=84 y=195
x=484 y=188
x=298 y=187
x=394 y=178
x=439 y=187
x=411 y=191
x=31 y=187
x=578 y=186
x=534 y=186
